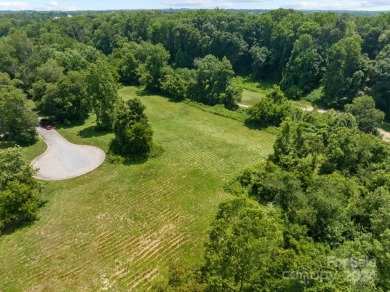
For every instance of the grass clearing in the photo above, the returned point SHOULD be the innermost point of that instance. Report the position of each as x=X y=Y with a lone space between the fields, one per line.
x=35 y=150
x=253 y=91
x=250 y=98
x=117 y=227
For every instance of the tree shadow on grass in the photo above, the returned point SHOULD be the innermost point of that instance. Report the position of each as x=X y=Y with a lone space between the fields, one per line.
x=59 y=125
x=4 y=144
x=120 y=160
x=254 y=125
x=92 y=131
x=12 y=227
x=145 y=92
x=135 y=161
x=18 y=225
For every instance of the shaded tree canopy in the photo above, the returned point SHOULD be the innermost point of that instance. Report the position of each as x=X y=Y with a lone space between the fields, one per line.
x=19 y=191
x=133 y=134
x=102 y=88
x=367 y=116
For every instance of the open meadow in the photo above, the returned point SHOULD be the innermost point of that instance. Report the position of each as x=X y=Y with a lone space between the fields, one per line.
x=119 y=226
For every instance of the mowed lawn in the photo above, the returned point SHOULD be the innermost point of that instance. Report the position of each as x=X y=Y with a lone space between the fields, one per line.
x=119 y=227
x=250 y=98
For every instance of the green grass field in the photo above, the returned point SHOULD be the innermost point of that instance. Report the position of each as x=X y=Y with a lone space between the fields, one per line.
x=118 y=227
x=250 y=98
x=253 y=91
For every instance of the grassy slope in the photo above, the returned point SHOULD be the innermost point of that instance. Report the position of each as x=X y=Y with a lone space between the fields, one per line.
x=254 y=91
x=120 y=225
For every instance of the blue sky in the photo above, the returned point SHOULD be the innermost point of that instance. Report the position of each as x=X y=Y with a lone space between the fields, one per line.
x=161 y=4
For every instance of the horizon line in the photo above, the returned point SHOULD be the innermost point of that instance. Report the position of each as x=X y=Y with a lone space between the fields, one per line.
x=194 y=9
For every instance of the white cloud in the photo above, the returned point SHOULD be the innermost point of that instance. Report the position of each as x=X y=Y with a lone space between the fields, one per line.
x=72 y=8
x=14 y=6
x=376 y=3
x=274 y=4
x=315 y=5
x=340 y=5
x=52 y=4
x=197 y=3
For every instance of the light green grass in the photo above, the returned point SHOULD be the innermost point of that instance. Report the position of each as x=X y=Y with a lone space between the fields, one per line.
x=35 y=150
x=250 y=98
x=253 y=91
x=253 y=85
x=119 y=226
x=302 y=103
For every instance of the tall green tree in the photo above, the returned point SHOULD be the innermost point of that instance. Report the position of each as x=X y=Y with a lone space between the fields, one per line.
x=381 y=79
x=272 y=110
x=243 y=239
x=303 y=71
x=67 y=100
x=152 y=71
x=368 y=118
x=102 y=88
x=16 y=117
x=50 y=72
x=259 y=57
x=19 y=191
x=133 y=134
x=344 y=76
x=213 y=82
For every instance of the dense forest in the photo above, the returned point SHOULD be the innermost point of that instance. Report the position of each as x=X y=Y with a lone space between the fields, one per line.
x=315 y=215
x=346 y=56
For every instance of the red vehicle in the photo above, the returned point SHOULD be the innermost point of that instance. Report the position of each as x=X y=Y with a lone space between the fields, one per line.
x=46 y=124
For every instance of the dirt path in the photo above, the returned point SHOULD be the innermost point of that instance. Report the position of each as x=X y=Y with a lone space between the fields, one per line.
x=310 y=108
x=64 y=160
x=243 y=105
x=385 y=135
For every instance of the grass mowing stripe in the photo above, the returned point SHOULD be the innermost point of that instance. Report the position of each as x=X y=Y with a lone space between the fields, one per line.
x=121 y=225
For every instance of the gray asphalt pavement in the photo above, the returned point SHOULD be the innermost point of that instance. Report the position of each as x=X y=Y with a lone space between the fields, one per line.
x=64 y=160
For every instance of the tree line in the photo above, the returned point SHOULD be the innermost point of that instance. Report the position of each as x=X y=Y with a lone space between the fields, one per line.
x=313 y=217
x=344 y=55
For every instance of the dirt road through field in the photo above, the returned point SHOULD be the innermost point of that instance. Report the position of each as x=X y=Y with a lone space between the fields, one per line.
x=64 y=160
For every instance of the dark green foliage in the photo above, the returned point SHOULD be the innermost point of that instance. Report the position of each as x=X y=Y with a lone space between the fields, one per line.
x=16 y=118
x=270 y=111
x=67 y=100
x=381 y=89
x=102 y=89
x=19 y=191
x=259 y=56
x=242 y=241
x=290 y=47
x=367 y=116
x=133 y=135
x=128 y=69
x=175 y=86
x=251 y=249
x=50 y=72
x=151 y=72
x=303 y=71
x=213 y=83
x=344 y=77
x=330 y=182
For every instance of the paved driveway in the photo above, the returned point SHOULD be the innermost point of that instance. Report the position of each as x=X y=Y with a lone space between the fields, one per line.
x=63 y=160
